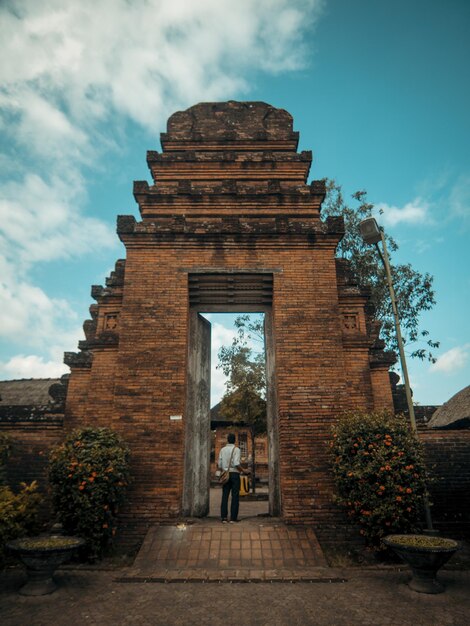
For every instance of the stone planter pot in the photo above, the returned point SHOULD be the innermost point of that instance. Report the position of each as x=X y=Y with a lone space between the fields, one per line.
x=425 y=555
x=42 y=556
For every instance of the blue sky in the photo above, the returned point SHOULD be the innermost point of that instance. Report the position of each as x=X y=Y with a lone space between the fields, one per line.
x=379 y=91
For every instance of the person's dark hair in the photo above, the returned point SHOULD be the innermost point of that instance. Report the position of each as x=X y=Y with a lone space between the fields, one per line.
x=231 y=438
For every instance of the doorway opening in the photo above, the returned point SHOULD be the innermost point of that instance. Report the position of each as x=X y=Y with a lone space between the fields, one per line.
x=231 y=342
x=238 y=404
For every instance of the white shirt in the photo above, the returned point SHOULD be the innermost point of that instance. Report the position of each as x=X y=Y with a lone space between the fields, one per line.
x=224 y=458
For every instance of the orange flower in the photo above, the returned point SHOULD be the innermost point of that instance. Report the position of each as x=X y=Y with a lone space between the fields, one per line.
x=388 y=468
x=350 y=473
x=105 y=525
x=408 y=508
x=382 y=488
x=82 y=487
x=398 y=498
x=91 y=479
x=388 y=443
x=408 y=490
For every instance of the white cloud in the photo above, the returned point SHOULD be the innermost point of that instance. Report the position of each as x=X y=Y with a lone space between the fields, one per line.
x=415 y=212
x=41 y=221
x=459 y=199
x=28 y=314
x=144 y=58
x=221 y=336
x=72 y=75
x=452 y=360
x=31 y=366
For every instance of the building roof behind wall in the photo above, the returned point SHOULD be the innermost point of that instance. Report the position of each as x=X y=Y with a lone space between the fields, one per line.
x=455 y=413
x=26 y=391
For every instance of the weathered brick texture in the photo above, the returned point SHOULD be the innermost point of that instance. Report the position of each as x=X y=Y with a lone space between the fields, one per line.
x=229 y=195
x=448 y=460
x=31 y=441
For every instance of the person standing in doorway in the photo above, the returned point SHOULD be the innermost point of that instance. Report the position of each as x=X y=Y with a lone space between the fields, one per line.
x=229 y=460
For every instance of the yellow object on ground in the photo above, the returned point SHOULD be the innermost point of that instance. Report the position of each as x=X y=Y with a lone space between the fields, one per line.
x=244 y=485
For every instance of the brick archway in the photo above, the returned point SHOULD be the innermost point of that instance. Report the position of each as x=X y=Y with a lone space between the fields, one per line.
x=229 y=201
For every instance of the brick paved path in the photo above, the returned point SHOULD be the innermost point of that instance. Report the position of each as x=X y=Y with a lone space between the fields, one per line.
x=208 y=549
x=256 y=548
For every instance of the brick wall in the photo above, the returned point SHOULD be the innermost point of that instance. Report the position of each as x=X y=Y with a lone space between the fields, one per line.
x=229 y=195
x=448 y=460
x=31 y=442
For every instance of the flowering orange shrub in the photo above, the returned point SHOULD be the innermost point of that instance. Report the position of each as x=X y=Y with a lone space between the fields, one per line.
x=379 y=472
x=89 y=474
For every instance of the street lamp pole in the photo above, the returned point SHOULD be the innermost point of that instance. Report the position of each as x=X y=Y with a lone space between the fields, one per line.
x=372 y=234
x=401 y=350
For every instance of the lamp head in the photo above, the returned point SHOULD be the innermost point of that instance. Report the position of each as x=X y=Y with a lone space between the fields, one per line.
x=370 y=231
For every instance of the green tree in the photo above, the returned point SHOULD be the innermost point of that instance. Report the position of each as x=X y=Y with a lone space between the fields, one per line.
x=414 y=291
x=244 y=399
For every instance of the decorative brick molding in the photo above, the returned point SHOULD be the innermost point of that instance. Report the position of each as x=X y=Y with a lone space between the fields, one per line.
x=78 y=359
x=229 y=196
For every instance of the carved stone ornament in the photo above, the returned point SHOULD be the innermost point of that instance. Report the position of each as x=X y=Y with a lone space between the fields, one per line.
x=111 y=321
x=350 y=322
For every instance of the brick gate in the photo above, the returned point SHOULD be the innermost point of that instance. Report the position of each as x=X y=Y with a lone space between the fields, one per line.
x=228 y=224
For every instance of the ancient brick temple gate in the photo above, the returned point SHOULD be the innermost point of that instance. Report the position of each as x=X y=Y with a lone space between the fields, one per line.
x=229 y=224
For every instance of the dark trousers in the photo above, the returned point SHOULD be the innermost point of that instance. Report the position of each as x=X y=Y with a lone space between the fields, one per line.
x=232 y=485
